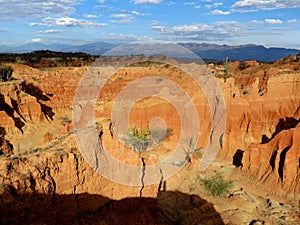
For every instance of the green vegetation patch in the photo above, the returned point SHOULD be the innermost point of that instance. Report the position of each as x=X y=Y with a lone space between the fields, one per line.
x=6 y=72
x=143 y=138
x=216 y=185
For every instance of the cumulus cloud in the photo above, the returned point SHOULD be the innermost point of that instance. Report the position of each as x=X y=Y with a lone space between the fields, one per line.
x=68 y=22
x=273 y=21
x=267 y=21
x=147 y=1
x=36 y=40
x=266 y=4
x=215 y=31
x=193 y=4
x=15 y=9
x=219 y=12
x=189 y=3
x=122 y=18
x=292 y=21
x=120 y=38
x=135 y=13
x=216 y=4
x=90 y=16
x=51 y=31
x=255 y=21
x=138 y=13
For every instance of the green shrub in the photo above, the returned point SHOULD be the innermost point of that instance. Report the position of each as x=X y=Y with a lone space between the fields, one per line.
x=5 y=73
x=138 y=139
x=19 y=60
x=194 y=150
x=199 y=152
x=216 y=185
x=226 y=66
x=245 y=92
x=141 y=139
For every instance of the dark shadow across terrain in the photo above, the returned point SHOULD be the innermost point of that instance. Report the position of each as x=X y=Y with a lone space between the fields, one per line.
x=168 y=208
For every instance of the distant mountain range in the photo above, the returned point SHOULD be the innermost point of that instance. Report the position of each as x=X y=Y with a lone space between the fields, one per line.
x=240 y=52
x=203 y=50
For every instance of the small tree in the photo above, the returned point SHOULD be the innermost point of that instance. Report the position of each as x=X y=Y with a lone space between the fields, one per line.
x=5 y=73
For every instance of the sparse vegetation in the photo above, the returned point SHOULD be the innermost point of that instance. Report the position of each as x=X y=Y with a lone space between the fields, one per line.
x=199 y=152
x=158 y=135
x=65 y=120
x=46 y=58
x=19 y=60
x=5 y=73
x=141 y=139
x=216 y=185
x=226 y=62
x=245 y=92
x=138 y=139
x=193 y=150
x=243 y=65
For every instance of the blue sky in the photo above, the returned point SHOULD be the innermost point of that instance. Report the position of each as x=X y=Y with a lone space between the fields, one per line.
x=234 y=22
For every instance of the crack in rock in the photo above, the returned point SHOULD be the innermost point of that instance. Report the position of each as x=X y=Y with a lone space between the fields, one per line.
x=142 y=178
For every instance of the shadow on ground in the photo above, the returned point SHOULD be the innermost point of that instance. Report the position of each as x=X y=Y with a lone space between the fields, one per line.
x=168 y=208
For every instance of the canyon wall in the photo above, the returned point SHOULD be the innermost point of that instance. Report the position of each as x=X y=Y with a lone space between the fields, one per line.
x=40 y=156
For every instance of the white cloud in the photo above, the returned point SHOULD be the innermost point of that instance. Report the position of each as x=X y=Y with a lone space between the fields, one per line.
x=120 y=15
x=215 y=5
x=68 y=22
x=36 y=40
x=190 y=28
x=170 y=3
x=266 y=4
x=255 y=21
x=135 y=13
x=147 y=1
x=292 y=21
x=189 y=3
x=122 y=18
x=90 y=16
x=51 y=31
x=101 y=1
x=194 y=4
x=219 y=12
x=6 y=43
x=267 y=21
x=253 y=3
x=12 y=10
x=215 y=31
x=138 y=13
x=273 y=21
x=121 y=38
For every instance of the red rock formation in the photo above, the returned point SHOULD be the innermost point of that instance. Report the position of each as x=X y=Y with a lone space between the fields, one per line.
x=6 y=148
x=275 y=165
x=257 y=98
